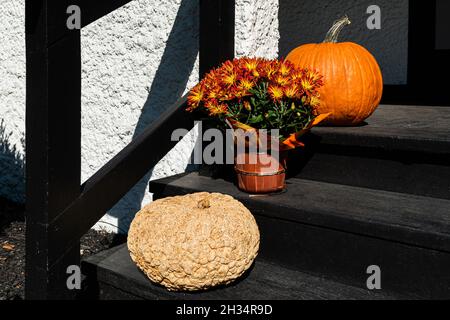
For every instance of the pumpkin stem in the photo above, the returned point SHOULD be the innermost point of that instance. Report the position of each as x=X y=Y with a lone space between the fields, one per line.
x=338 y=25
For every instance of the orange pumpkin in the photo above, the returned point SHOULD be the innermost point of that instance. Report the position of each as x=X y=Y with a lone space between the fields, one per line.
x=352 y=77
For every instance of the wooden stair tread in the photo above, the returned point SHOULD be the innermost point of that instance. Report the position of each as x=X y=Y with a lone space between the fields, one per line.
x=406 y=128
x=264 y=280
x=404 y=218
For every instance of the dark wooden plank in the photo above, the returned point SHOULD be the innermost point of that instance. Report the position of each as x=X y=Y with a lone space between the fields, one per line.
x=217 y=24
x=53 y=147
x=264 y=281
x=404 y=128
x=345 y=257
x=408 y=219
x=407 y=146
x=409 y=172
x=338 y=234
x=412 y=176
x=105 y=188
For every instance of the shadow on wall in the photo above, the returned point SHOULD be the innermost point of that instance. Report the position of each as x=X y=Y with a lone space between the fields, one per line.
x=168 y=86
x=12 y=168
x=308 y=21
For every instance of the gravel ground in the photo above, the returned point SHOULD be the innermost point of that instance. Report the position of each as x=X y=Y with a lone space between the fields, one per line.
x=12 y=248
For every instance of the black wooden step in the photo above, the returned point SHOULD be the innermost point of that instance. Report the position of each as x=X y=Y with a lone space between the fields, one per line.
x=401 y=148
x=339 y=231
x=113 y=275
x=395 y=127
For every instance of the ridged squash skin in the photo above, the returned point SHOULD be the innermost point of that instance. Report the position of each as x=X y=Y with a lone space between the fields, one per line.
x=353 y=82
x=194 y=242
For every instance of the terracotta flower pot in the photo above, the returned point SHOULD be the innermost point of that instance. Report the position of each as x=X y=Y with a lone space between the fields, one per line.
x=259 y=173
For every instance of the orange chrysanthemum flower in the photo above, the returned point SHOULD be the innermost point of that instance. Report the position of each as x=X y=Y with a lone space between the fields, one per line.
x=214 y=93
x=270 y=71
x=250 y=64
x=229 y=79
x=297 y=75
x=285 y=68
x=256 y=74
x=282 y=81
x=246 y=84
x=307 y=86
x=239 y=89
x=275 y=92
x=195 y=97
x=229 y=95
x=238 y=93
x=228 y=67
x=314 y=101
x=291 y=92
x=216 y=108
x=313 y=76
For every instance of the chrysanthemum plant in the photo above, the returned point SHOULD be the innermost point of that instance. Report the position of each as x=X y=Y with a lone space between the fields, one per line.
x=256 y=93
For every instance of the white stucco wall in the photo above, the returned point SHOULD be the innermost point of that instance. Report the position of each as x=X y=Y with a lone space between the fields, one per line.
x=12 y=98
x=136 y=61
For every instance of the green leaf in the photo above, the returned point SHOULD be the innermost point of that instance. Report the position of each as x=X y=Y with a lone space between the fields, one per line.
x=256 y=119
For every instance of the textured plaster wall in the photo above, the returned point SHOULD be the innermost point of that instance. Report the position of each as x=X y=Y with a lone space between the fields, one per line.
x=141 y=58
x=257 y=28
x=136 y=61
x=308 y=21
x=12 y=99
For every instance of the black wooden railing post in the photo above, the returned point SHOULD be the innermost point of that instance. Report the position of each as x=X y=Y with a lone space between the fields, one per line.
x=53 y=104
x=217 y=30
x=59 y=209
